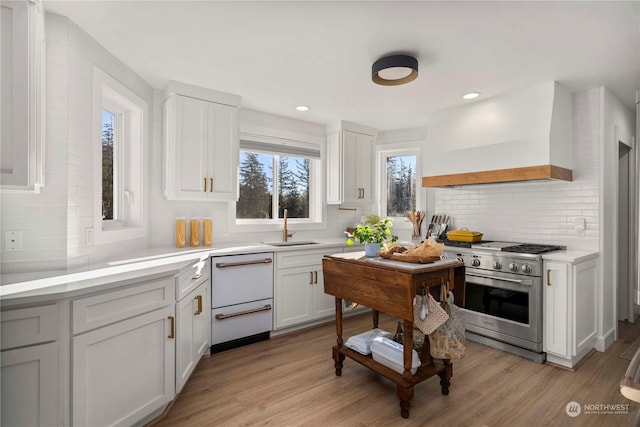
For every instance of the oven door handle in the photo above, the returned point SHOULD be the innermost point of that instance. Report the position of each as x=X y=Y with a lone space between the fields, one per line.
x=504 y=279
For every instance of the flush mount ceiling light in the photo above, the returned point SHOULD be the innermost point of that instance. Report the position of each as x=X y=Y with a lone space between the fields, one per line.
x=471 y=95
x=394 y=70
x=302 y=108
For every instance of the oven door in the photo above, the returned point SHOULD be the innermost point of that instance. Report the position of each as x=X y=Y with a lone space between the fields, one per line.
x=506 y=307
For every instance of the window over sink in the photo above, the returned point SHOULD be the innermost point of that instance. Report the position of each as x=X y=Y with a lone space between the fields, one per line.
x=275 y=174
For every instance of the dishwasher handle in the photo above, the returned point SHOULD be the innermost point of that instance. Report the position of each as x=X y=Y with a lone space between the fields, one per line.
x=221 y=316
x=243 y=263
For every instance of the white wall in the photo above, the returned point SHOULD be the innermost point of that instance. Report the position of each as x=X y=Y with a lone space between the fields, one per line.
x=54 y=222
x=544 y=212
x=42 y=217
x=618 y=125
x=164 y=212
x=538 y=212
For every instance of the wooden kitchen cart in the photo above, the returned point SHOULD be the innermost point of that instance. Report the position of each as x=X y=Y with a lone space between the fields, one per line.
x=390 y=286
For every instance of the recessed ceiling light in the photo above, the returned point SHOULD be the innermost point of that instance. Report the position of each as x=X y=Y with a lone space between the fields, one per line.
x=471 y=95
x=302 y=108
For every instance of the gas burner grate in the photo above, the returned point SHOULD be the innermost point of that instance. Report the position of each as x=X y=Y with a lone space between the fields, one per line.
x=528 y=248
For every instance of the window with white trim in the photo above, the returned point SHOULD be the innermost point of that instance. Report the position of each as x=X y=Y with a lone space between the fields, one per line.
x=277 y=174
x=121 y=117
x=399 y=184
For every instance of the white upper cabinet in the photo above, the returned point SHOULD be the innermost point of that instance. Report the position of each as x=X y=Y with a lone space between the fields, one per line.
x=22 y=96
x=201 y=144
x=350 y=165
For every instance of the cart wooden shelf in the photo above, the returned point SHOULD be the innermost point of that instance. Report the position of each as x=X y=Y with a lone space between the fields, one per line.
x=390 y=286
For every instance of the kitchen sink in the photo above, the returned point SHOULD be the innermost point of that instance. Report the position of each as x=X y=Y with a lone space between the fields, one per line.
x=294 y=243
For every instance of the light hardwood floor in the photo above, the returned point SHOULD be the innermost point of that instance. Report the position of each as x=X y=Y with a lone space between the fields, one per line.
x=290 y=381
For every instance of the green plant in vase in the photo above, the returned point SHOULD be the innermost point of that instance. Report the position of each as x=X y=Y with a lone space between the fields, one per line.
x=373 y=235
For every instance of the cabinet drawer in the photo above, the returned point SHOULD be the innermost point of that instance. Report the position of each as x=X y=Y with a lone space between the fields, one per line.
x=238 y=279
x=302 y=258
x=241 y=320
x=100 y=310
x=26 y=326
x=191 y=278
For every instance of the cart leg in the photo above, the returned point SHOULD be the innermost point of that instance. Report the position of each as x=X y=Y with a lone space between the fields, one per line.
x=338 y=359
x=445 y=375
x=405 y=393
x=339 y=340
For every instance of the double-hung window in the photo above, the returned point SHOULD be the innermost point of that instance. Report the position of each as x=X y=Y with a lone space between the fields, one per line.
x=277 y=174
x=121 y=118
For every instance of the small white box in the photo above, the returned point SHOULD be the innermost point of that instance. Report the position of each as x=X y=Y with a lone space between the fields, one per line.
x=391 y=354
x=362 y=342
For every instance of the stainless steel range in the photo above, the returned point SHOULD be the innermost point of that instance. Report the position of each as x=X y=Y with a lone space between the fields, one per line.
x=503 y=295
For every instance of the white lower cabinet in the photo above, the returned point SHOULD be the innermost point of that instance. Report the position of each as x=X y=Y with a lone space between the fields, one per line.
x=29 y=366
x=124 y=371
x=123 y=353
x=193 y=317
x=299 y=289
x=30 y=386
x=569 y=307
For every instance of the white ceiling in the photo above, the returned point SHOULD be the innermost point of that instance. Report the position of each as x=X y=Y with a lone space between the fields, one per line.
x=277 y=55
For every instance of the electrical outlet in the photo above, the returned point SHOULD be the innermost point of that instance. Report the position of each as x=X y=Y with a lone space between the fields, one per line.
x=13 y=240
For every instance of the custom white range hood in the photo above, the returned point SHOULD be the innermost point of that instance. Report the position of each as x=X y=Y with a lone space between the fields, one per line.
x=520 y=136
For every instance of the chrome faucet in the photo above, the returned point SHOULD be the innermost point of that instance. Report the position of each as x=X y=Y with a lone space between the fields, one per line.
x=285 y=231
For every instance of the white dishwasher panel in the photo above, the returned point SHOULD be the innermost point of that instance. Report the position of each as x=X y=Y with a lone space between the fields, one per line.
x=241 y=320
x=238 y=279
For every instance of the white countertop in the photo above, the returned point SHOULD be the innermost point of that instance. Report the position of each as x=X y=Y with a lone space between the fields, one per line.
x=572 y=256
x=153 y=261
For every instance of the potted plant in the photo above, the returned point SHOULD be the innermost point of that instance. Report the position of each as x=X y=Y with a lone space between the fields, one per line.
x=373 y=235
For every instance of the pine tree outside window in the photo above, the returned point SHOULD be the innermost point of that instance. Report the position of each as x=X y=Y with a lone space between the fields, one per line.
x=262 y=197
x=399 y=184
x=274 y=176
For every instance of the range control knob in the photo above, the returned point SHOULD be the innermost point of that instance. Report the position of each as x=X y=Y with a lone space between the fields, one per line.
x=513 y=266
x=459 y=258
x=497 y=265
x=475 y=262
x=526 y=268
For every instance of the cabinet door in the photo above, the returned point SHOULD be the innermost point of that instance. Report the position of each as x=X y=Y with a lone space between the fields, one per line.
x=557 y=310
x=125 y=371
x=22 y=95
x=324 y=305
x=201 y=150
x=584 y=290
x=357 y=167
x=294 y=296
x=191 y=142
x=30 y=386
x=193 y=322
x=223 y=152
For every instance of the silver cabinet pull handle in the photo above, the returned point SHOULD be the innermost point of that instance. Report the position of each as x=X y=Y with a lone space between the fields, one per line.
x=242 y=263
x=221 y=316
